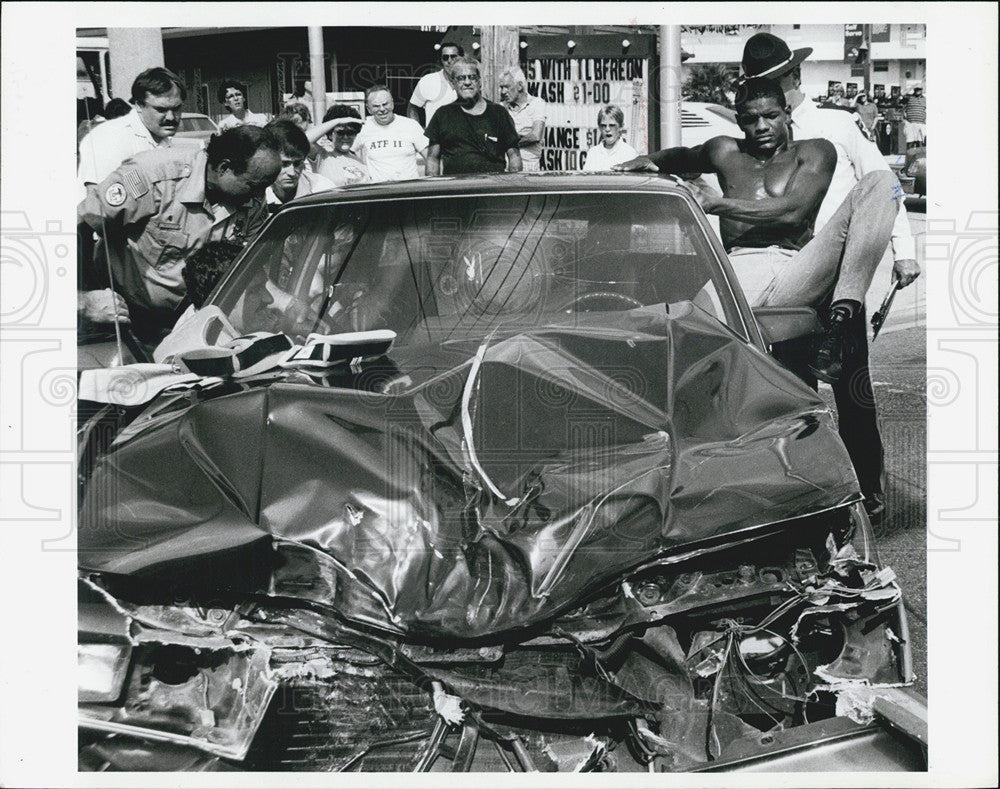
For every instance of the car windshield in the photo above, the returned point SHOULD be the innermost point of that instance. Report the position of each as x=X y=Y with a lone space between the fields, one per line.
x=467 y=267
x=189 y=124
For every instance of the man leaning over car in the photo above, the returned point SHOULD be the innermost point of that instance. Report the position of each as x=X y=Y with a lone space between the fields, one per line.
x=160 y=206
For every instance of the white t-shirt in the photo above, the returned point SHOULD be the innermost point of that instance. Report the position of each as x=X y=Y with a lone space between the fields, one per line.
x=108 y=145
x=250 y=119
x=390 y=151
x=432 y=91
x=343 y=169
x=601 y=158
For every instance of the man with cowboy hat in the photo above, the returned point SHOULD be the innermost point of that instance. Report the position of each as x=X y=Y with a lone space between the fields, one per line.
x=766 y=55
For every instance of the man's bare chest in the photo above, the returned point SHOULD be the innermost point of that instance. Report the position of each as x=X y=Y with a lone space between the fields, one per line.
x=750 y=178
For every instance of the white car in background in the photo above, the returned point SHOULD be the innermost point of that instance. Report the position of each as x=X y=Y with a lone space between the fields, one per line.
x=701 y=122
x=195 y=129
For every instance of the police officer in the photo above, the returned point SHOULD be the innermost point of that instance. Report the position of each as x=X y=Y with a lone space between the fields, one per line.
x=160 y=206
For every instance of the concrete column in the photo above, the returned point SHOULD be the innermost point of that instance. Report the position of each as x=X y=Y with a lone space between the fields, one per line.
x=669 y=42
x=132 y=50
x=317 y=73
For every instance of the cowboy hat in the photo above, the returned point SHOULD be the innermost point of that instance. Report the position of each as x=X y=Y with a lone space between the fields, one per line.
x=765 y=55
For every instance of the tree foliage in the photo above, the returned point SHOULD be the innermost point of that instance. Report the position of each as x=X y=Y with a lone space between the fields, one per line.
x=709 y=82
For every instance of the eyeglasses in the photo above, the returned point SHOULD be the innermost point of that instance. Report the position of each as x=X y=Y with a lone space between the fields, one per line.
x=450 y=57
x=467 y=78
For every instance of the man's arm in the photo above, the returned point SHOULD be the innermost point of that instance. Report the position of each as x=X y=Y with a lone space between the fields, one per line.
x=803 y=193
x=866 y=158
x=678 y=160
x=514 y=163
x=413 y=113
x=124 y=197
x=433 y=166
x=533 y=135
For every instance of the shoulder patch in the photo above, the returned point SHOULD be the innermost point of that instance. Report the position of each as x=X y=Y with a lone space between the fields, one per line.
x=115 y=195
x=135 y=185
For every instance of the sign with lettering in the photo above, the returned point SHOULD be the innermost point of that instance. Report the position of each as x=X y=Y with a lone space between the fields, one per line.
x=576 y=89
x=854 y=36
x=880 y=34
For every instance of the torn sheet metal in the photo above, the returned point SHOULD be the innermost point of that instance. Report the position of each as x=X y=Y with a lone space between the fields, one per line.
x=607 y=441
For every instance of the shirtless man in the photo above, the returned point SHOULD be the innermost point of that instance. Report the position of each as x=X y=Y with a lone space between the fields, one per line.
x=772 y=190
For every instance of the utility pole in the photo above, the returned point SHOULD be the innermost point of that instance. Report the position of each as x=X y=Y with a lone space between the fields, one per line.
x=670 y=85
x=317 y=73
x=499 y=50
x=132 y=50
x=866 y=42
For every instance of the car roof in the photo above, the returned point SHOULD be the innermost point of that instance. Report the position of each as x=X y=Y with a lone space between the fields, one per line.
x=502 y=183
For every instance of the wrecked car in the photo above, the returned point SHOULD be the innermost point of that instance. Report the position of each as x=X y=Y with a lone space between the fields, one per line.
x=482 y=474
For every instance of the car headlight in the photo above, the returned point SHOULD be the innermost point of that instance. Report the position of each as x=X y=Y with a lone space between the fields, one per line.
x=101 y=670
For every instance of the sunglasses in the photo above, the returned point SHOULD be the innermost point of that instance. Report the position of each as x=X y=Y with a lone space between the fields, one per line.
x=450 y=57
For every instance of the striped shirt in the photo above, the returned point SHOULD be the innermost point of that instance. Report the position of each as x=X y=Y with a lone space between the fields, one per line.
x=916 y=109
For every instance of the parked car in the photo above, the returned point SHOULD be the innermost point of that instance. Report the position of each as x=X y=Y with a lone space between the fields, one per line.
x=911 y=168
x=511 y=484
x=195 y=129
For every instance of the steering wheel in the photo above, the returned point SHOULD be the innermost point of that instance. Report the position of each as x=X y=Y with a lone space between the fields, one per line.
x=583 y=303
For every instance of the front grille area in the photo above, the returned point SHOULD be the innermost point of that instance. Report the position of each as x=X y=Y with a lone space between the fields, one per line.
x=318 y=725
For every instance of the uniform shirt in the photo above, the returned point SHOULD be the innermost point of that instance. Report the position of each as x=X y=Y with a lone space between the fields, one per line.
x=390 y=151
x=601 y=158
x=432 y=92
x=524 y=117
x=109 y=144
x=856 y=157
x=153 y=213
x=250 y=119
x=309 y=183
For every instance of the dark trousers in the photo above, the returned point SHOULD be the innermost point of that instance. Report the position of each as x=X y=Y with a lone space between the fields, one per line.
x=856 y=414
x=854 y=396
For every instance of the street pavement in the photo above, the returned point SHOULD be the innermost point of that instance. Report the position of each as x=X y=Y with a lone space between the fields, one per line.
x=899 y=365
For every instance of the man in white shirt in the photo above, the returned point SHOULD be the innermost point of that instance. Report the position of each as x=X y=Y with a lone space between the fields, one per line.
x=766 y=55
x=529 y=114
x=232 y=96
x=157 y=98
x=434 y=90
x=388 y=143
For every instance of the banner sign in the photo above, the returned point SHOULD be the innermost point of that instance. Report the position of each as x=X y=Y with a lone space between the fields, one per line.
x=576 y=89
x=834 y=87
x=851 y=90
x=854 y=36
x=894 y=91
x=878 y=91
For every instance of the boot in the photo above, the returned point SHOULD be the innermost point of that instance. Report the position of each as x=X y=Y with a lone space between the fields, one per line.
x=828 y=365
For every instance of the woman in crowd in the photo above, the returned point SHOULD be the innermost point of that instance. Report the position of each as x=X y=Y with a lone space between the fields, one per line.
x=335 y=136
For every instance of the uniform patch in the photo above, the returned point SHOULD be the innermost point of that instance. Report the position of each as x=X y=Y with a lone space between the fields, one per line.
x=115 y=195
x=135 y=185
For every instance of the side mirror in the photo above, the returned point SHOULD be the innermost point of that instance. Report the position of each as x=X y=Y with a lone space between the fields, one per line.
x=781 y=324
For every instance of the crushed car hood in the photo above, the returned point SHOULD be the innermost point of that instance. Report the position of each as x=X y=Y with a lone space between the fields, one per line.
x=481 y=486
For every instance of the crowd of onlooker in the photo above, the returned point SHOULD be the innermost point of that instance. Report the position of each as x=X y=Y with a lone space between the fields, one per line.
x=149 y=203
